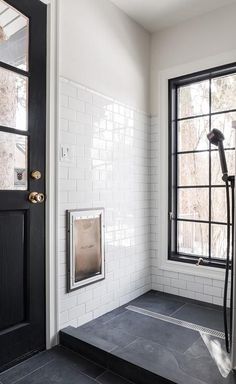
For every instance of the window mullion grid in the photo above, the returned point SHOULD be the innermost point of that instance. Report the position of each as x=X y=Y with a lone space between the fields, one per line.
x=176 y=154
x=210 y=181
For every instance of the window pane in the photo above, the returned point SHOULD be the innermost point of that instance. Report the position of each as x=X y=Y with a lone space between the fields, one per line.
x=193 y=203
x=223 y=93
x=216 y=173
x=13 y=100
x=193 y=169
x=14 y=36
x=223 y=122
x=192 y=134
x=218 y=241
x=13 y=161
x=218 y=205
x=193 y=238
x=193 y=99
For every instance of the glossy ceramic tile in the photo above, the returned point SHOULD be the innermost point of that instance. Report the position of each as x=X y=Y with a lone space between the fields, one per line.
x=108 y=166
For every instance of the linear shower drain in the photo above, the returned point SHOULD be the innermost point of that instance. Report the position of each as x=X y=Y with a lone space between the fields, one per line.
x=173 y=320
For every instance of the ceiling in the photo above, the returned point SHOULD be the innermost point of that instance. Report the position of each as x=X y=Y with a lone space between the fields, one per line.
x=154 y=15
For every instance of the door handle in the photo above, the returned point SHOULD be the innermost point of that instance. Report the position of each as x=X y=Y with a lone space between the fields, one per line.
x=36 y=197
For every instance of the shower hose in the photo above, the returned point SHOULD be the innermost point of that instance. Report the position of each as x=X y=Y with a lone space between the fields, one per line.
x=229 y=183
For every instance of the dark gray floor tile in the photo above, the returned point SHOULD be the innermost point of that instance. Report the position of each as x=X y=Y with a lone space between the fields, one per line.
x=170 y=335
x=110 y=315
x=117 y=337
x=58 y=371
x=104 y=318
x=207 y=361
x=109 y=377
x=156 y=302
x=204 y=316
x=157 y=359
x=24 y=368
x=85 y=366
x=90 y=338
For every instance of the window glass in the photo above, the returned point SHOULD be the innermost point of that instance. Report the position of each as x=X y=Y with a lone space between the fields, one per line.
x=13 y=161
x=197 y=191
x=192 y=134
x=13 y=100
x=216 y=172
x=218 y=205
x=223 y=93
x=14 y=37
x=193 y=203
x=223 y=122
x=218 y=241
x=193 y=99
x=193 y=169
x=193 y=238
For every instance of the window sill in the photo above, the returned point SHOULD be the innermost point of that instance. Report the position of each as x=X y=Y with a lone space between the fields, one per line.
x=192 y=269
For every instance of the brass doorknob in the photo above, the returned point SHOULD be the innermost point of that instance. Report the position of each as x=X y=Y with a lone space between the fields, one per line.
x=36 y=197
x=36 y=175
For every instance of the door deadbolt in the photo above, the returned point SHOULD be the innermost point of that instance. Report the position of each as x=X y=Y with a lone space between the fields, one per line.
x=36 y=198
x=36 y=175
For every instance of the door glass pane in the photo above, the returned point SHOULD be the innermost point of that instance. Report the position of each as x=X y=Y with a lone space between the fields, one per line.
x=223 y=93
x=218 y=241
x=13 y=100
x=192 y=134
x=193 y=203
x=193 y=238
x=193 y=99
x=193 y=169
x=223 y=122
x=14 y=37
x=216 y=172
x=13 y=161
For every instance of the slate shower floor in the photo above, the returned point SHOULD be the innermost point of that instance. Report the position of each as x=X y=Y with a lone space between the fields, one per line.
x=157 y=338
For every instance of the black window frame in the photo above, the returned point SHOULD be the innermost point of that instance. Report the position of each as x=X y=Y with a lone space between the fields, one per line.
x=173 y=85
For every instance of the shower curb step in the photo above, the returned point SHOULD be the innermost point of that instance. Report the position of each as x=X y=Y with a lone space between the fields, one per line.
x=104 y=356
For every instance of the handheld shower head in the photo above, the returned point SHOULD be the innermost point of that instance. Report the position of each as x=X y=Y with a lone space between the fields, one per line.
x=216 y=138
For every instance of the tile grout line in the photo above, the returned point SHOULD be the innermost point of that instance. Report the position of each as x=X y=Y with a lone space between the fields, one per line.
x=119 y=314
x=125 y=346
x=176 y=311
x=35 y=370
x=115 y=374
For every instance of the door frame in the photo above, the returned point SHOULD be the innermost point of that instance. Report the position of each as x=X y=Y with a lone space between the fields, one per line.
x=51 y=228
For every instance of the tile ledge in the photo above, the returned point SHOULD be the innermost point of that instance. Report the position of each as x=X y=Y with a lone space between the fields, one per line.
x=201 y=271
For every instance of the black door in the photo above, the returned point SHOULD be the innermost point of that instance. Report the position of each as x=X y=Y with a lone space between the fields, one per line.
x=22 y=171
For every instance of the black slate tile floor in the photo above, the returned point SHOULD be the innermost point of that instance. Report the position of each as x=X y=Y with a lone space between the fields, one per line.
x=197 y=314
x=158 y=302
x=135 y=345
x=59 y=365
x=173 y=353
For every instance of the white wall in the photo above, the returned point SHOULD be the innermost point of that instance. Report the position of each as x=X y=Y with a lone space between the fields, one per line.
x=110 y=168
x=197 y=44
x=104 y=68
x=195 y=39
x=104 y=49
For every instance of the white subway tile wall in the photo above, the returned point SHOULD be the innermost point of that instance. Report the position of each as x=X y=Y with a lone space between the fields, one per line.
x=114 y=163
x=182 y=284
x=108 y=166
